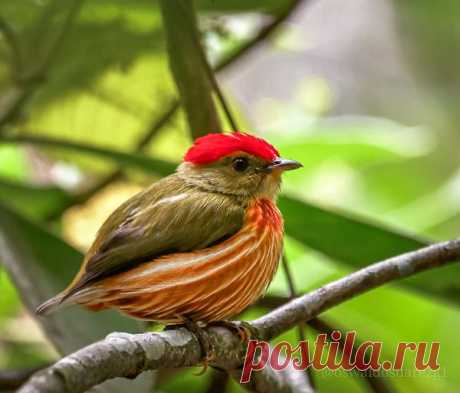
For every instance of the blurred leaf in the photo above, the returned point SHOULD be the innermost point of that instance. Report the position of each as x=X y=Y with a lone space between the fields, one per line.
x=102 y=27
x=360 y=243
x=269 y=6
x=107 y=99
x=123 y=159
x=361 y=141
x=432 y=37
x=343 y=237
x=13 y=163
x=41 y=265
x=187 y=62
x=10 y=303
x=24 y=355
x=32 y=201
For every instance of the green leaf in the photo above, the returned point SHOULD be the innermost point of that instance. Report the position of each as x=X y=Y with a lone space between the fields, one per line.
x=41 y=265
x=13 y=163
x=267 y=6
x=341 y=236
x=359 y=243
x=110 y=99
x=141 y=161
x=10 y=304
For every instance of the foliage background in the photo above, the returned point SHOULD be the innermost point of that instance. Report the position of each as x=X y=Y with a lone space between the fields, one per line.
x=364 y=94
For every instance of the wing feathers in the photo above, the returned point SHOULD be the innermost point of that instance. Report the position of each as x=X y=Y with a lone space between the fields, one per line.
x=168 y=217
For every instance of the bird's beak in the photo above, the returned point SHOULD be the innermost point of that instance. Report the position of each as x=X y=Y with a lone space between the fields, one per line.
x=280 y=164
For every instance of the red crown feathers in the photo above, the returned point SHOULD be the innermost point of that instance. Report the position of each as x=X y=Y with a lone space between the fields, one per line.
x=212 y=147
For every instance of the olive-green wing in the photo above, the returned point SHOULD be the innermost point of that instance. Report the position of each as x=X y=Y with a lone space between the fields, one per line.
x=166 y=218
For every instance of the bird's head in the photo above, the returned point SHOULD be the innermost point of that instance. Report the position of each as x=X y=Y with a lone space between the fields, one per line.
x=236 y=164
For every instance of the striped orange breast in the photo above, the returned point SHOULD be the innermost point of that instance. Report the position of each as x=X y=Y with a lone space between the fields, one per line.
x=212 y=284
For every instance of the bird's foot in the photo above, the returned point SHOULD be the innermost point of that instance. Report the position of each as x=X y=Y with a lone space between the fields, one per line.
x=243 y=329
x=205 y=343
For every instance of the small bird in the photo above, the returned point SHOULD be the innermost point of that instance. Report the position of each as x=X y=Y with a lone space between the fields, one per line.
x=199 y=245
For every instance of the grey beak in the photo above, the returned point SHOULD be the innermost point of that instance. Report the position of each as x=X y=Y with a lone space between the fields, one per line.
x=284 y=165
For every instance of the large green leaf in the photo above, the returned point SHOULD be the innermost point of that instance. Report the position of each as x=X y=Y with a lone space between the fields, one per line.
x=358 y=243
x=341 y=236
x=140 y=161
x=41 y=265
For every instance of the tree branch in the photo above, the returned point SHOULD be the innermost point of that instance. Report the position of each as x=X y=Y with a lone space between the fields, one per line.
x=127 y=355
x=314 y=303
x=124 y=355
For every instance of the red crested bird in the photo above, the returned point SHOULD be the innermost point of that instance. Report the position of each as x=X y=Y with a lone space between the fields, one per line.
x=199 y=245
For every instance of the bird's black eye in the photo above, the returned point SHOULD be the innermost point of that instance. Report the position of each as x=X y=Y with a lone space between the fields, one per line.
x=240 y=164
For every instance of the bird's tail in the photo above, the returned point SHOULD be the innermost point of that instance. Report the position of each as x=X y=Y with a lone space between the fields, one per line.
x=86 y=297
x=51 y=305
x=63 y=298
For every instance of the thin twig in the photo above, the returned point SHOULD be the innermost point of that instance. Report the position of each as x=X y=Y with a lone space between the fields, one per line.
x=141 y=161
x=292 y=295
x=158 y=124
x=261 y=35
x=215 y=85
x=243 y=50
x=380 y=386
x=292 y=290
x=123 y=355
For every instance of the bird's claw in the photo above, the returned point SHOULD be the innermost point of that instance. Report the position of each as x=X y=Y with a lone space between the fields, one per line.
x=204 y=341
x=209 y=357
x=243 y=329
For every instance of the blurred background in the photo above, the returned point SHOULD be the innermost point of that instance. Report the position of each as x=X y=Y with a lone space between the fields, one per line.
x=365 y=93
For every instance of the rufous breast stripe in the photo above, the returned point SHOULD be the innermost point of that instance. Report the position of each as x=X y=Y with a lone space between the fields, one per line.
x=208 y=284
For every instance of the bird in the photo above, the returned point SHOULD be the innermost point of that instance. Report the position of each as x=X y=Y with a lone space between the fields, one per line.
x=197 y=246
